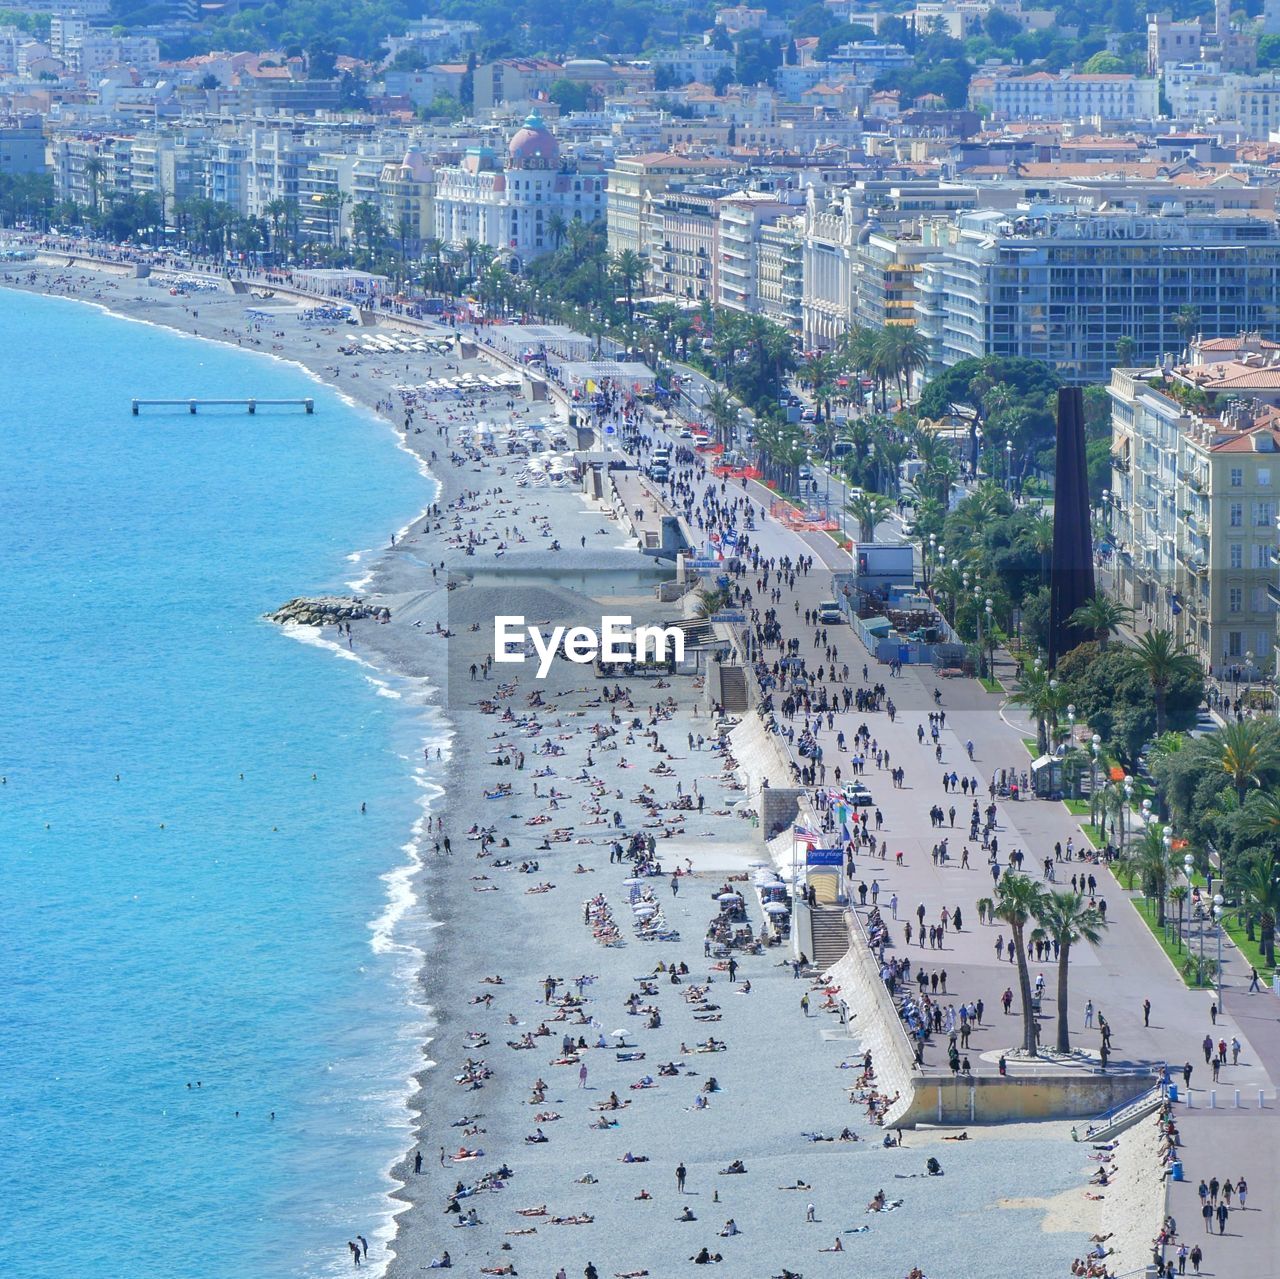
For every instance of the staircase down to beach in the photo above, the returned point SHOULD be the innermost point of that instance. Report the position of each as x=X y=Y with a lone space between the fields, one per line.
x=733 y=690
x=830 y=935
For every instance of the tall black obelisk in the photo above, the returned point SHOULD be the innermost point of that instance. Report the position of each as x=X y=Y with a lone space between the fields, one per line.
x=1071 y=570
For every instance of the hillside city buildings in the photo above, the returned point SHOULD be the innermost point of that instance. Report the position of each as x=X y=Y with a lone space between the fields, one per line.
x=1073 y=216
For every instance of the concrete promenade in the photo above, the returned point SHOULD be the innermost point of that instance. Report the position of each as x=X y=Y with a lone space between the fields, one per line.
x=1116 y=976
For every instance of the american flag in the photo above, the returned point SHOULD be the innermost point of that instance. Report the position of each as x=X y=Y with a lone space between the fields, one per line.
x=806 y=835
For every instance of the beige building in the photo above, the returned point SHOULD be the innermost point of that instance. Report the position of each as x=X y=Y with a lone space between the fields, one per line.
x=1193 y=499
x=406 y=200
x=635 y=178
x=684 y=239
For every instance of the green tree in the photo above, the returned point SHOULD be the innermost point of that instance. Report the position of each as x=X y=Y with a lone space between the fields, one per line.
x=95 y=169
x=1102 y=616
x=1186 y=320
x=1248 y=752
x=1162 y=661
x=1019 y=900
x=628 y=268
x=1103 y=63
x=1126 y=352
x=869 y=509
x=1259 y=888
x=569 y=95
x=1067 y=918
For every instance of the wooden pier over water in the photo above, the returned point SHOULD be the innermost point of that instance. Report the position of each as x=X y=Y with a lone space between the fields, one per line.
x=192 y=405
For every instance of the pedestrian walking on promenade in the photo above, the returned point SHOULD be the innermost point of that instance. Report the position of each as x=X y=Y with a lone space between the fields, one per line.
x=1146 y=1012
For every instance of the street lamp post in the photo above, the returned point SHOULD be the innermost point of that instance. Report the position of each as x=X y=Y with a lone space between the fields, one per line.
x=1188 y=869
x=1166 y=870
x=1095 y=745
x=1217 y=919
x=1008 y=464
x=991 y=641
x=1127 y=785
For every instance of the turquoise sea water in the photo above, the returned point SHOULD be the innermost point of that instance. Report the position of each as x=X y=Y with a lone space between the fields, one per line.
x=183 y=923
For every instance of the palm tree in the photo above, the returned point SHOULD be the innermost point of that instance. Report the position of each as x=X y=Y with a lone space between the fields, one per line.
x=1263 y=816
x=1100 y=615
x=1126 y=351
x=277 y=211
x=1151 y=863
x=908 y=353
x=1162 y=659
x=1043 y=703
x=432 y=247
x=1018 y=901
x=366 y=224
x=628 y=266
x=471 y=247
x=707 y=602
x=1260 y=889
x=1067 y=918
x=723 y=415
x=1186 y=319
x=869 y=509
x=95 y=169
x=556 y=228
x=1247 y=751
x=1040 y=534
x=1178 y=895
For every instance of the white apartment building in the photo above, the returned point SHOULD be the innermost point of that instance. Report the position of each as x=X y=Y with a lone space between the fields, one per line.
x=97 y=51
x=780 y=271
x=693 y=62
x=510 y=205
x=1068 y=96
x=1064 y=285
x=742 y=217
x=830 y=271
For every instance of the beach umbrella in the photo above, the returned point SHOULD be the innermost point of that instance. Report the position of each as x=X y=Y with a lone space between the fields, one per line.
x=633 y=880
x=728 y=897
x=776 y=908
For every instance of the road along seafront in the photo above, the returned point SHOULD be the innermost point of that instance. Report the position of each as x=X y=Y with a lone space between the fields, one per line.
x=784 y=1080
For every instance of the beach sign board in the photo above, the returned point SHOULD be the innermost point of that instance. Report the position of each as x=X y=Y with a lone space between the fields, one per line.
x=824 y=857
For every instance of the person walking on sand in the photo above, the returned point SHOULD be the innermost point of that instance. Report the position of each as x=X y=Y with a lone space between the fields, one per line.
x=681 y=1172
x=417 y=1164
x=1146 y=1012
x=810 y=1214
x=582 y=1075
x=804 y=1003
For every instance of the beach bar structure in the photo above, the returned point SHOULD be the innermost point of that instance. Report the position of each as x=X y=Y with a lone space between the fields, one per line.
x=192 y=405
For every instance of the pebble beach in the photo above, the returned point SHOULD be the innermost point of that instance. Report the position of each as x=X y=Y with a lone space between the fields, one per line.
x=579 y=838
